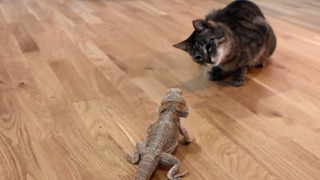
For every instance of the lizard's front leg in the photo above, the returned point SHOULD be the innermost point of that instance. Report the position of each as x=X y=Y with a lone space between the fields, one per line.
x=140 y=149
x=186 y=137
x=167 y=159
x=238 y=76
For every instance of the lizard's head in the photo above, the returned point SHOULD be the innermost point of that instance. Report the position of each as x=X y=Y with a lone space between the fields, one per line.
x=173 y=98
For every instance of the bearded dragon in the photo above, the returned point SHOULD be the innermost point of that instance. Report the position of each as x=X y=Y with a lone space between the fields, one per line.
x=163 y=138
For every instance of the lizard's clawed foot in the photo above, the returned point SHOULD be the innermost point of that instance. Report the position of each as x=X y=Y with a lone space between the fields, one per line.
x=179 y=176
x=131 y=159
x=193 y=138
x=188 y=141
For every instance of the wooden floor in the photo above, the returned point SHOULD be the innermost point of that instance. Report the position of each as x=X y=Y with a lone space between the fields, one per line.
x=80 y=80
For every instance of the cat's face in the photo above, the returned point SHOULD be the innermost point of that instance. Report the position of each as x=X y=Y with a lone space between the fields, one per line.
x=202 y=44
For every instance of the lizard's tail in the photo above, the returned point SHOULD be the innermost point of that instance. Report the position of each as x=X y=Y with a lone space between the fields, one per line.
x=147 y=166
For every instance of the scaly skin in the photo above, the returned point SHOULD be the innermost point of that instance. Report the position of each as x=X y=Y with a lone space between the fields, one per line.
x=162 y=139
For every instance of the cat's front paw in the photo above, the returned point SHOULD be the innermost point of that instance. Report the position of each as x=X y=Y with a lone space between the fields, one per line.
x=237 y=82
x=214 y=76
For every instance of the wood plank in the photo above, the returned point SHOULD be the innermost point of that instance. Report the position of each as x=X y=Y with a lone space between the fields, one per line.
x=80 y=81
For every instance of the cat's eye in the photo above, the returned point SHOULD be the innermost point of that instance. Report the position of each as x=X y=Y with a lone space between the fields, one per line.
x=208 y=47
x=198 y=57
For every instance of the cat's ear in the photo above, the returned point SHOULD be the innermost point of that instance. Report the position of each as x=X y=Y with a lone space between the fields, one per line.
x=199 y=24
x=184 y=45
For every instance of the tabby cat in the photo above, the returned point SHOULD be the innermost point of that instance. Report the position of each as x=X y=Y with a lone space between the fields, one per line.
x=231 y=39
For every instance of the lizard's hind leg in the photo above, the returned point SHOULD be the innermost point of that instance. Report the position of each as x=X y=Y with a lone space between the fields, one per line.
x=167 y=159
x=140 y=149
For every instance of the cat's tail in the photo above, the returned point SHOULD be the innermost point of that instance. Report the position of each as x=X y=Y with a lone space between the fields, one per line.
x=271 y=42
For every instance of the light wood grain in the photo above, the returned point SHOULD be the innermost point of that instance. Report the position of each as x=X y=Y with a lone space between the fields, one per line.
x=80 y=80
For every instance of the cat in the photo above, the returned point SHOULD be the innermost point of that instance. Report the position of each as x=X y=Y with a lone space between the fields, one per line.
x=231 y=39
